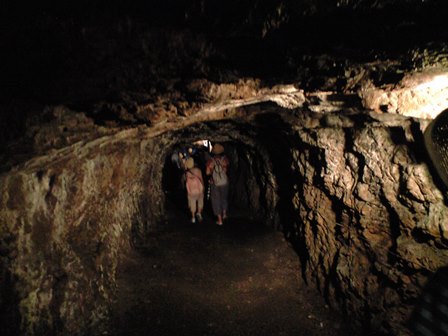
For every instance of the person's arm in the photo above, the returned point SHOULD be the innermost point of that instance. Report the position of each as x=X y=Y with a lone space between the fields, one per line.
x=226 y=164
x=200 y=176
x=209 y=167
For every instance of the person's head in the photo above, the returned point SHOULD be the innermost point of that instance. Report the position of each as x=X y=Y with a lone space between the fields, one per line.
x=218 y=149
x=189 y=163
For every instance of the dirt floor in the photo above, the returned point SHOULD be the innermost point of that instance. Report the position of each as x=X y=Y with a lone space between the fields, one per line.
x=202 y=279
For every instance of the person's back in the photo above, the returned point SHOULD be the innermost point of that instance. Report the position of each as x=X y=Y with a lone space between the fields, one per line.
x=217 y=168
x=194 y=184
x=194 y=181
x=219 y=174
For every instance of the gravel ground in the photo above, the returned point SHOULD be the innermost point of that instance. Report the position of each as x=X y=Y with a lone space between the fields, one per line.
x=202 y=279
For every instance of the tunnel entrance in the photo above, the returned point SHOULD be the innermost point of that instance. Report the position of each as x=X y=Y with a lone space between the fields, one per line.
x=247 y=191
x=240 y=278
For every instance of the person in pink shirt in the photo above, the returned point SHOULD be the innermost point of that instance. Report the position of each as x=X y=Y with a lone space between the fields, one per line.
x=194 y=184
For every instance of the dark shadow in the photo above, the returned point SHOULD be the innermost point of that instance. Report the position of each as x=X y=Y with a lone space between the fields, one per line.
x=433 y=148
x=276 y=136
x=431 y=311
x=172 y=184
x=9 y=305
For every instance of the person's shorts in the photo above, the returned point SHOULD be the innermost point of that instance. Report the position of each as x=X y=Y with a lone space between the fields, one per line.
x=195 y=202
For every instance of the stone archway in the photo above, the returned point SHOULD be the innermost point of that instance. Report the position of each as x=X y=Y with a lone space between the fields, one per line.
x=351 y=192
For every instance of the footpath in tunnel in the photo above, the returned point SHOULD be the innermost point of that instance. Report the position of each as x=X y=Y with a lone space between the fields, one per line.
x=202 y=279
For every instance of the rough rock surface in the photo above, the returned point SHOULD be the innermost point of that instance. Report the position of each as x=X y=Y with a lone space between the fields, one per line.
x=421 y=95
x=367 y=219
x=371 y=217
x=65 y=220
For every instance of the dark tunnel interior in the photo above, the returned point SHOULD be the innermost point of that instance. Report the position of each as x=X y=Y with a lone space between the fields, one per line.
x=259 y=159
x=261 y=222
x=260 y=177
x=245 y=192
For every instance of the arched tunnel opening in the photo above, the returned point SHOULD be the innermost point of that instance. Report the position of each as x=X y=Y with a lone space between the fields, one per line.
x=313 y=218
x=251 y=260
x=251 y=191
x=244 y=191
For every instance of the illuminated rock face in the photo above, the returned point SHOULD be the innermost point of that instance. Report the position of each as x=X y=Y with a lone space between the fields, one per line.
x=419 y=95
x=65 y=221
x=351 y=191
x=368 y=213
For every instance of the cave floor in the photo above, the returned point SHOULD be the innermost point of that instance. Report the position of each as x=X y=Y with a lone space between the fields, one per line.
x=202 y=279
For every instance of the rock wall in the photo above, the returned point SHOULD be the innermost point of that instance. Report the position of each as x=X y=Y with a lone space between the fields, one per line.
x=369 y=215
x=352 y=191
x=72 y=203
x=66 y=220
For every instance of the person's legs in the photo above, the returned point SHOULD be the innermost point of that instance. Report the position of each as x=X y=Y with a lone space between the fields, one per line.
x=192 y=206
x=224 y=200
x=216 y=203
x=214 y=198
x=200 y=206
x=219 y=221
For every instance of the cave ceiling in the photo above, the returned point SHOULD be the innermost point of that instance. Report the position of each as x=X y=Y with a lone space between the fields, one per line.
x=99 y=66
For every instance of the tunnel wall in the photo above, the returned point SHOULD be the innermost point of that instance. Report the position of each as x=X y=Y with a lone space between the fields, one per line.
x=66 y=220
x=252 y=187
x=354 y=194
x=369 y=216
x=68 y=217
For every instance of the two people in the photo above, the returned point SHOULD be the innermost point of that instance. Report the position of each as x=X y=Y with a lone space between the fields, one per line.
x=217 y=169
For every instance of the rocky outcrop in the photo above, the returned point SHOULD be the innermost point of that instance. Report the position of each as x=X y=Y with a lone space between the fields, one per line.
x=420 y=95
x=369 y=214
x=71 y=212
x=66 y=220
x=352 y=191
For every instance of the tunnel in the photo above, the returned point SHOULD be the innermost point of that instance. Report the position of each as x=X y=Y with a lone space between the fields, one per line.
x=242 y=196
x=252 y=190
x=332 y=115
x=292 y=175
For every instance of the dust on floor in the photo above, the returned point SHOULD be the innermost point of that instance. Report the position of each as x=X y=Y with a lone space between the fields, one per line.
x=202 y=279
